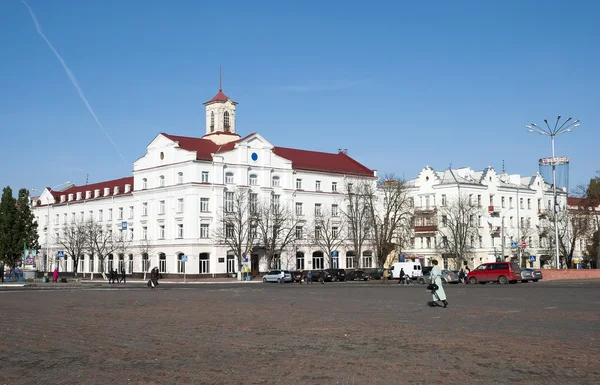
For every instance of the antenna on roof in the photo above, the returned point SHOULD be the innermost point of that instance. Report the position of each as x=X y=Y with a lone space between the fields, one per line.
x=503 y=170
x=450 y=166
x=86 y=178
x=220 y=79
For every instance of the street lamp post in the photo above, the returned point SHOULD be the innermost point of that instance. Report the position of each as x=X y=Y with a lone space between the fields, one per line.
x=552 y=132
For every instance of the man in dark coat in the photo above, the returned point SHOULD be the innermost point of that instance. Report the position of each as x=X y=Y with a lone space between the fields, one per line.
x=2 y=273
x=122 y=275
x=154 y=277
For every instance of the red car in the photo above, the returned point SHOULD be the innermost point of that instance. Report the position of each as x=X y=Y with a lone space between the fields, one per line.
x=501 y=272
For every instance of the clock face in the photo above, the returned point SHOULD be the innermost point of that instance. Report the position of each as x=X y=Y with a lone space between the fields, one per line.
x=254 y=156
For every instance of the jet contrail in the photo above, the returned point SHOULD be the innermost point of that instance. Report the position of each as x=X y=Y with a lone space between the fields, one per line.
x=72 y=78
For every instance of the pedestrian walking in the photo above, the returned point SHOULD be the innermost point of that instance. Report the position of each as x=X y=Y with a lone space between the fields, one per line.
x=55 y=275
x=154 y=277
x=2 y=273
x=402 y=274
x=386 y=276
x=437 y=290
x=464 y=271
x=309 y=277
x=122 y=275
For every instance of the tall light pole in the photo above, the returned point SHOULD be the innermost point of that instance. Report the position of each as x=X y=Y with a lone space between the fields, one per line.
x=552 y=132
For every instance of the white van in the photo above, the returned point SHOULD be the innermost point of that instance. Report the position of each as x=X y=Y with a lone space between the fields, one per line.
x=413 y=269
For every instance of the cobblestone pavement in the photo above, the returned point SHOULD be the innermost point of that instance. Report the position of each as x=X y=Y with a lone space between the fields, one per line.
x=342 y=333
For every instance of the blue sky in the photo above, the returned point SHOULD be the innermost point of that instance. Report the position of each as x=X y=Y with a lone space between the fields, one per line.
x=401 y=85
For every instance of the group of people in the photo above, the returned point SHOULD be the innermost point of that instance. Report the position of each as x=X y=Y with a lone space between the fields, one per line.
x=115 y=277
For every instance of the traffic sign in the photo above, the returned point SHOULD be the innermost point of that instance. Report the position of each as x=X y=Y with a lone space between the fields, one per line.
x=184 y=258
x=524 y=244
x=513 y=244
x=532 y=258
x=124 y=225
x=402 y=257
x=334 y=253
x=60 y=254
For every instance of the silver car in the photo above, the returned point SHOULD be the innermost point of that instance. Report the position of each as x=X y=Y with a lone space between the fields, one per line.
x=279 y=276
x=448 y=276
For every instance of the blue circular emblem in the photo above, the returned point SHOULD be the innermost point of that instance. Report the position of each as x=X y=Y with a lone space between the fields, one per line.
x=254 y=156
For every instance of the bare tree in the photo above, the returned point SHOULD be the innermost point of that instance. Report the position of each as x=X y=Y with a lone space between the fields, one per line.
x=357 y=214
x=72 y=239
x=145 y=249
x=100 y=242
x=458 y=229
x=389 y=210
x=236 y=226
x=328 y=233
x=123 y=246
x=276 y=228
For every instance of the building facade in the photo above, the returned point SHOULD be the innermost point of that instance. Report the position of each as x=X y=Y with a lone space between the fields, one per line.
x=506 y=219
x=172 y=204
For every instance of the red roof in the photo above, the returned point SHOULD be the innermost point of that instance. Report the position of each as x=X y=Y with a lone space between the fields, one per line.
x=96 y=186
x=339 y=163
x=582 y=202
x=219 y=97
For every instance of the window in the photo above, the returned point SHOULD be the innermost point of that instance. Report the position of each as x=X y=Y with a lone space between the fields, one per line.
x=479 y=200
x=512 y=223
x=162 y=263
x=161 y=231
x=180 y=230
x=131 y=212
x=299 y=184
x=72 y=218
x=275 y=182
x=521 y=203
x=212 y=121
x=229 y=201
x=318 y=260
x=300 y=260
x=81 y=215
x=350 y=259
x=204 y=177
x=144 y=184
x=299 y=232
x=65 y=216
x=229 y=178
x=204 y=263
x=318 y=185
x=335 y=232
x=161 y=181
x=443 y=199
x=230 y=263
x=46 y=219
x=180 y=205
x=110 y=214
x=350 y=187
x=179 y=178
x=529 y=204
x=226 y=119
x=144 y=232
x=335 y=261
x=480 y=221
x=131 y=233
x=99 y=216
x=144 y=209
x=253 y=180
x=204 y=205
x=510 y=202
x=317 y=232
x=204 y=230
x=253 y=202
x=491 y=200
x=253 y=231
x=335 y=210
x=229 y=230
x=503 y=202
x=299 y=208
x=444 y=220
x=120 y=213
x=161 y=207
x=275 y=201
x=367 y=259
x=480 y=241
x=333 y=186
x=317 y=209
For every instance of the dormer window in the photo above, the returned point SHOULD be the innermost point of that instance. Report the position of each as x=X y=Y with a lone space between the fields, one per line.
x=226 y=120
x=212 y=121
x=253 y=180
x=275 y=182
x=161 y=181
x=179 y=178
x=229 y=178
x=144 y=184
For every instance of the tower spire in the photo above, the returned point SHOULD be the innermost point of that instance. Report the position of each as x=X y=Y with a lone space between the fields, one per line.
x=220 y=79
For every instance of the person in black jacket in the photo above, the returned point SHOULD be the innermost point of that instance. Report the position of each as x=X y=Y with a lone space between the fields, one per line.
x=154 y=277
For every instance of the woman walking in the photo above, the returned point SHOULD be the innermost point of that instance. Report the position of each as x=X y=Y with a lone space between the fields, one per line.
x=55 y=275
x=436 y=279
x=154 y=277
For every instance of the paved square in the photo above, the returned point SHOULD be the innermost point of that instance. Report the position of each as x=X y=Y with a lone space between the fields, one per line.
x=343 y=333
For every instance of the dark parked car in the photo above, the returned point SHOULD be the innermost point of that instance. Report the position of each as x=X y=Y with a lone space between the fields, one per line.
x=376 y=274
x=337 y=274
x=318 y=276
x=531 y=275
x=296 y=276
x=357 y=275
x=426 y=269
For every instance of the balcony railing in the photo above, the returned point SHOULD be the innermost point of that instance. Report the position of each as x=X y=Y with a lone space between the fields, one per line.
x=425 y=209
x=426 y=229
x=542 y=213
x=495 y=231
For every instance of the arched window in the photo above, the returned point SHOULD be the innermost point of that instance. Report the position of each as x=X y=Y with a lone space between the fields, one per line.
x=212 y=121
x=161 y=181
x=226 y=120
x=204 y=263
x=229 y=177
x=299 y=260
x=367 y=259
x=275 y=181
x=162 y=262
x=179 y=178
x=350 y=259
x=318 y=260
x=180 y=263
x=144 y=184
x=253 y=180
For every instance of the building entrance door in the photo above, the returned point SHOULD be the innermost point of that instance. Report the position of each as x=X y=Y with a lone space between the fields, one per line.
x=254 y=264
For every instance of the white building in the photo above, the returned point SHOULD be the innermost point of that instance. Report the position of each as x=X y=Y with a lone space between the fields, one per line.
x=509 y=214
x=179 y=186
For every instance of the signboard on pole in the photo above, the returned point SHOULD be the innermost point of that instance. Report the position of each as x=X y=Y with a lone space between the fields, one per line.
x=532 y=258
x=524 y=244
x=60 y=254
x=334 y=254
x=184 y=258
x=402 y=258
x=513 y=245
x=124 y=225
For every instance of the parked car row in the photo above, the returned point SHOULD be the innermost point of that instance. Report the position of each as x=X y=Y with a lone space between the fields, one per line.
x=501 y=272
